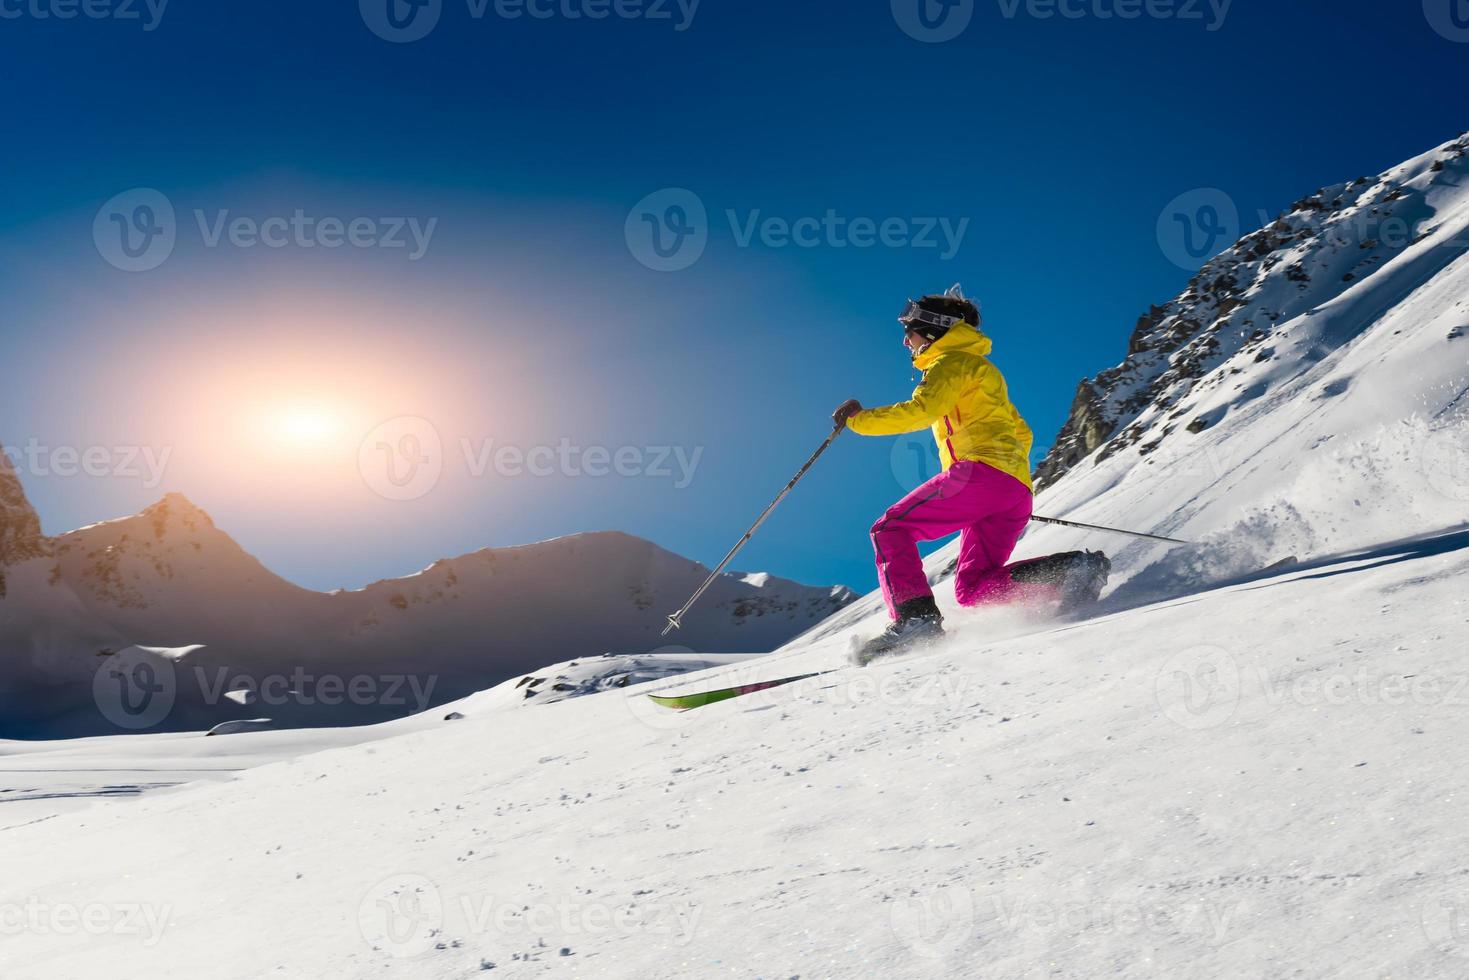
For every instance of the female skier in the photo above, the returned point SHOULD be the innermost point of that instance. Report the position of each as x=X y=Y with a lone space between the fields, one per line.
x=983 y=492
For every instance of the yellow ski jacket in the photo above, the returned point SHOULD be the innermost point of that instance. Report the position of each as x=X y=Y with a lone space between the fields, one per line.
x=964 y=400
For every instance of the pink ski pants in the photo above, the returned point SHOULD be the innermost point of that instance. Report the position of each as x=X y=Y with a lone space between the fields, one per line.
x=988 y=508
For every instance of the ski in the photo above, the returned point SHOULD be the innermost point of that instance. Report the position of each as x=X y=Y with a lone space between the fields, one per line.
x=687 y=702
x=1282 y=564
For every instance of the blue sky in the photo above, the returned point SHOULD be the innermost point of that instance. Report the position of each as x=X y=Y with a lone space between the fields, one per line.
x=520 y=149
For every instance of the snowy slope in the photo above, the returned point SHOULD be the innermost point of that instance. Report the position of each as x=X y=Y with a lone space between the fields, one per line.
x=1257 y=780
x=168 y=577
x=41 y=779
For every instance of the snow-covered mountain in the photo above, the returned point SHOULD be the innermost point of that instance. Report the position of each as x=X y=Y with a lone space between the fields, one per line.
x=1291 y=293
x=1306 y=392
x=168 y=577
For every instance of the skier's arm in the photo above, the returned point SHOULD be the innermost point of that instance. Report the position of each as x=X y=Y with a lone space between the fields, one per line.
x=934 y=397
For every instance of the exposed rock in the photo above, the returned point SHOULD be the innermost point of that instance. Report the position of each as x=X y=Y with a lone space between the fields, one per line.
x=1084 y=431
x=20 y=527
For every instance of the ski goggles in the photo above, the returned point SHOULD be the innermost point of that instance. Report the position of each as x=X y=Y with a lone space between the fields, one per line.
x=913 y=313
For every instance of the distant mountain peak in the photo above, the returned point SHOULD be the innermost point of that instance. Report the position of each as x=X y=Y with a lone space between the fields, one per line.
x=176 y=509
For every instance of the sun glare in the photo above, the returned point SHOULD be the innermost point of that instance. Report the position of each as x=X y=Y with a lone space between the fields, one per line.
x=306 y=425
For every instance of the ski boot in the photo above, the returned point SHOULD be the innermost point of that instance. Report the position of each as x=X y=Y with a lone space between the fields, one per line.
x=918 y=621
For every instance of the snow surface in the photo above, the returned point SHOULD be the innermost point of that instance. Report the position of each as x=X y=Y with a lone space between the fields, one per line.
x=1255 y=780
x=1223 y=773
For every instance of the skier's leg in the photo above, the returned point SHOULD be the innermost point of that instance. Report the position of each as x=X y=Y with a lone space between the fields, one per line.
x=941 y=506
x=986 y=544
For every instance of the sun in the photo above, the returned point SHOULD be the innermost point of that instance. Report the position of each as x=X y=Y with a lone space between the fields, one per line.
x=305 y=425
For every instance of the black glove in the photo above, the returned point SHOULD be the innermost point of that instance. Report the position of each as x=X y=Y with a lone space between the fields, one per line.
x=845 y=411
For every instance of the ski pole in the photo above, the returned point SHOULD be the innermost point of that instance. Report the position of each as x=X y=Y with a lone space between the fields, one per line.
x=1113 y=530
x=676 y=620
